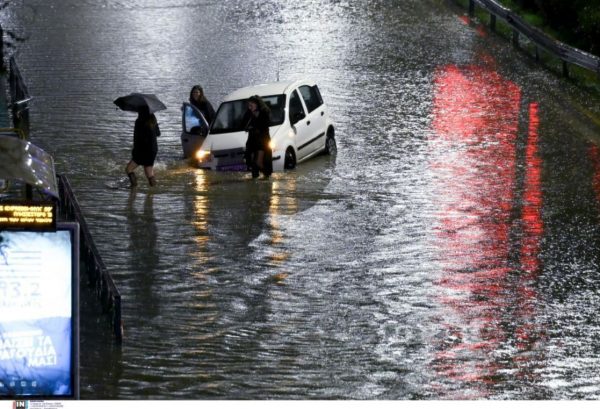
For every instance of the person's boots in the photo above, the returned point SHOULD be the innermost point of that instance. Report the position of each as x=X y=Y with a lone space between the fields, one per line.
x=254 y=170
x=152 y=181
x=132 y=179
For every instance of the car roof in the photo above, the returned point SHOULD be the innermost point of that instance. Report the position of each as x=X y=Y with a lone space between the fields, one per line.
x=272 y=88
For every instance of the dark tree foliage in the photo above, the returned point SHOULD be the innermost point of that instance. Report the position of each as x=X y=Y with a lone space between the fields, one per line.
x=577 y=21
x=527 y=4
x=589 y=25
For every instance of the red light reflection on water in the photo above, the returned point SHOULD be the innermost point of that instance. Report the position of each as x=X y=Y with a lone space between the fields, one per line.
x=527 y=333
x=476 y=122
x=479 y=29
x=532 y=198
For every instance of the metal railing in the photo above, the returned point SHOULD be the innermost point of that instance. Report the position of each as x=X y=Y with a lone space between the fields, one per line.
x=566 y=53
x=99 y=278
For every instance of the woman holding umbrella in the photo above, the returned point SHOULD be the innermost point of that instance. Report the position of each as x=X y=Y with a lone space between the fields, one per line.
x=145 y=132
x=145 y=146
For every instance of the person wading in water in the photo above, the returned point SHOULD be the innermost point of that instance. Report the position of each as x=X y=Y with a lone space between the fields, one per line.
x=145 y=147
x=258 y=151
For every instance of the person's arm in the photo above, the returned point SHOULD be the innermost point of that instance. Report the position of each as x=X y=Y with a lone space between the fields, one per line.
x=152 y=126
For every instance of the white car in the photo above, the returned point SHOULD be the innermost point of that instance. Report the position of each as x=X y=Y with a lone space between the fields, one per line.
x=300 y=127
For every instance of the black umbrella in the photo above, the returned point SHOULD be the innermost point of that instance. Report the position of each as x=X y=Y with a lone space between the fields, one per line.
x=136 y=102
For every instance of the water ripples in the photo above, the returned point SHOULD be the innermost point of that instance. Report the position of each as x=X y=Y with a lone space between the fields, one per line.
x=442 y=254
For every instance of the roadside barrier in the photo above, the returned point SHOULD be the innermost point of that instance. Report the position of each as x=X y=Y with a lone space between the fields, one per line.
x=99 y=278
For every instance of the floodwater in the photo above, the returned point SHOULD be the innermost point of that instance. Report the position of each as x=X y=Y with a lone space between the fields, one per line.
x=448 y=251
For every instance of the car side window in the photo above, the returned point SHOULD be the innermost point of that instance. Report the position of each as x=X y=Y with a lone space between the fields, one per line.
x=276 y=104
x=296 y=109
x=311 y=96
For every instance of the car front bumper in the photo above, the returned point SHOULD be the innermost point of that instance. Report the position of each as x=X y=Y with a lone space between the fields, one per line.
x=232 y=160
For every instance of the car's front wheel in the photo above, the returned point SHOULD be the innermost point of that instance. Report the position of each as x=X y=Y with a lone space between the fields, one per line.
x=290 y=159
x=330 y=145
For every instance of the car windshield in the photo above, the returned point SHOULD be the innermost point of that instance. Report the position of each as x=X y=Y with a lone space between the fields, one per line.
x=230 y=114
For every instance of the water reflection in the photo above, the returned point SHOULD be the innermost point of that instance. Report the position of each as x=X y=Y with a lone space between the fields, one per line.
x=144 y=258
x=489 y=229
x=529 y=334
x=238 y=270
x=284 y=200
x=232 y=212
x=200 y=216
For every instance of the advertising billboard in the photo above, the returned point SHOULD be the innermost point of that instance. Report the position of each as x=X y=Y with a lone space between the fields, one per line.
x=39 y=319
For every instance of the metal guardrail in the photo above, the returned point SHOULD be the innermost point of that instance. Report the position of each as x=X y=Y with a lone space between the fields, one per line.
x=99 y=278
x=566 y=53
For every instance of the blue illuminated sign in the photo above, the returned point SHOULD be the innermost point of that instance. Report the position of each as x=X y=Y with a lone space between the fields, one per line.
x=39 y=303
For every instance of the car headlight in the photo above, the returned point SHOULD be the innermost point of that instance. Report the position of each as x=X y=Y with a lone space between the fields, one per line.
x=272 y=145
x=202 y=155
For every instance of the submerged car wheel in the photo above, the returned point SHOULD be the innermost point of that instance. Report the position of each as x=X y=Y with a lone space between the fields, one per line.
x=330 y=145
x=290 y=159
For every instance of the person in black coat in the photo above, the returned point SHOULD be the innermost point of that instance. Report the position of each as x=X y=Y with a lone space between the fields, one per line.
x=198 y=99
x=258 y=151
x=145 y=147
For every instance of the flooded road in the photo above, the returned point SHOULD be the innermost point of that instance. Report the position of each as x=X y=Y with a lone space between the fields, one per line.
x=448 y=251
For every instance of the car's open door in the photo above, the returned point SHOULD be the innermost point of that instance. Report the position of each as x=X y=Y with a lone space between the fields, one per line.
x=194 y=129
